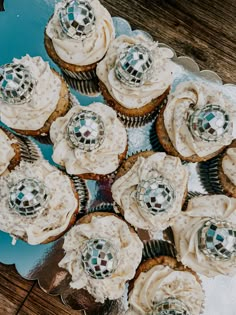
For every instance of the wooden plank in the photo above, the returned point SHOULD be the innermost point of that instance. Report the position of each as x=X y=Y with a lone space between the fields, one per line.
x=40 y=303
x=13 y=290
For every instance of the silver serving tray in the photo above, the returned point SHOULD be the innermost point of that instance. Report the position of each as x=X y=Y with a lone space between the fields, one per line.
x=41 y=262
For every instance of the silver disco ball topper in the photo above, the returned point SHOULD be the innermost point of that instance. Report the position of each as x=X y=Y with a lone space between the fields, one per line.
x=86 y=130
x=28 y=197
x=209 y=123
x=99 y=258
x=170 y=306
x=217 y=240
x=133 y=65
x=155 y=195
x=77 y=19
x=16 y=84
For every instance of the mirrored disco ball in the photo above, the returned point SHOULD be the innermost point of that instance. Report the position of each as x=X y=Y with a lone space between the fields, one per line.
x=28 y=197
x=86 y=130
x=170 y=306
x=209 y=123
x=77 y=19
x=133 y=65
x=155 y=195
x=99 y=258
x=16 y=84
x=217 y=240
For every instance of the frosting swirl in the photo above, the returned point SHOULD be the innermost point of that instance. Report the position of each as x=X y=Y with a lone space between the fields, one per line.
x=89 y=50
x=154 y=86
x=102 y=160
x=126 y=243
x=7 y=152
x=229 y=164
x=160 y=283
x=124 y=188
x=186 y=229
x=56 y=216
x=32 y=115
x=175 y=117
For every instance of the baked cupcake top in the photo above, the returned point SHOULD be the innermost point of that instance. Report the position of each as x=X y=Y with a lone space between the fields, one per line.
x=199 y=119
x=161 y=284
x=88 y=139
x=7 y=151
x=37 y=202
x=229 y=164
x=149 y=194
x=136 y=70
x=81 y=31
x=102 y=256
x=205 y=235
x=29 y=93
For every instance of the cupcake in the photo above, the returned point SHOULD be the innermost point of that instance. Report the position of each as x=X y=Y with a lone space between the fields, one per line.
x=197 y=122
x=101 y=253
x=38 y=203
x=135 y=77
x=14 y=149
x=227 y=170
x=77 y=37
x=150 y=189
x=32 y=96
x=89 y=141
x=164 y=286
x=205 y=235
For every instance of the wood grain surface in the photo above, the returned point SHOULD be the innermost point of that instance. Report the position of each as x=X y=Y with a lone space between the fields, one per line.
x=202 y=29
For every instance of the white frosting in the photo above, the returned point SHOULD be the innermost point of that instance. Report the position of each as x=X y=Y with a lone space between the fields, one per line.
x=229 y=164
x=136 y=97
x=124 y=188
x=33 y=115
x=126 y=243
x=160 y=283
x=61 y=205
x=175 y=114
x=102 y=160
x=89 y=50
x=6 y=151
x=201 y=209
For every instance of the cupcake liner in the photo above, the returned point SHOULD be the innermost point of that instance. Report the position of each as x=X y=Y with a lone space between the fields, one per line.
x=155 y=143
x=139 y=121
x=29 y=150
x=155 y=248
x=103 y=207
x=82 y=75
x=86 y=87
x=82 y=190
x=208 y=172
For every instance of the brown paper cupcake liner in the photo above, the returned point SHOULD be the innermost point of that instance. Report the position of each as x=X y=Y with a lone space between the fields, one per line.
x=103 y=207
x=83 y=75
x=29 y=150
x=209 y=177
x=156 y=248
x=86 y=87
x=82 y=190
x=139 y=121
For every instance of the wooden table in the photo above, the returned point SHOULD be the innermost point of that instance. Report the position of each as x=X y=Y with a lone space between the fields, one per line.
x=202 y=29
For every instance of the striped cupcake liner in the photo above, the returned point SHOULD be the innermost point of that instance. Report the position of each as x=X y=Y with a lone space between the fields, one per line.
x=82 y=190
x=103 y=207
x=208 y=172
x=156 y=248
x=139 y=121
x=86 y=87
x=29 y=150
x=83 y=75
